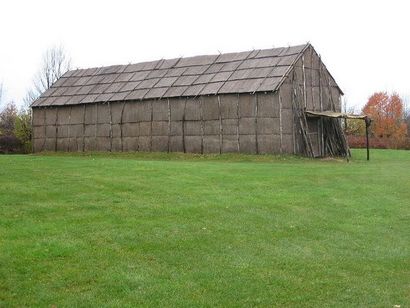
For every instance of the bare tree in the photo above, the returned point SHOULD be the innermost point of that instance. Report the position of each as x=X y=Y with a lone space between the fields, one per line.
x=1 y=92
x=54 y=64
x=30 y=97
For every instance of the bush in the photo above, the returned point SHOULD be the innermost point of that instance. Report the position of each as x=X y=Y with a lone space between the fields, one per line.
x=377 y=143
x=10 y=144
x=15 y=130
x=22 y=130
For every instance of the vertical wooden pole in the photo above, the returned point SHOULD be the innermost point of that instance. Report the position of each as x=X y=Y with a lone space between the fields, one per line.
x=311 y=80
x=320 y=85
x=367 y=121
x=169 y=124
x=220 y=125
x=256 y=124
x=121 y=126
x=237 y=122
x=45 y=130
x=83 y=127
x=295 y=115
x=332 y=103
x=96 y=127
x=152 y=119
x=109 y=107
x=280 y=124
x=69 y=129
x=202 y=124
x=304 y=81
x=183 y=127
x=322 y=137
x=56 y=130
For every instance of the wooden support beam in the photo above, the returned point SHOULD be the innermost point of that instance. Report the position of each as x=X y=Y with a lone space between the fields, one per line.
x=322 y=137
x=304 y=82
x=300 y=114
x=121 y=124
x=311 y=80
x=96 y=127
x=280 y=124
x=237 y=123
x=83 y=146
x=202 y=123
x=169 y=124
x=367 y=122
x=56 y=130
x=69 y=129
x=152 y=119
x=110 y=109
x=256 y=124
x=220 y=125
x=45 y=130
x=183 y=127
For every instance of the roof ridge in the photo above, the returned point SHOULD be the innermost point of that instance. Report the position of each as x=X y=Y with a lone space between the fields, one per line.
x=179 y=58
x=249 y=71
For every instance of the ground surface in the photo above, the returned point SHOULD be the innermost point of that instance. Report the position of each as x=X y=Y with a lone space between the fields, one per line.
x=174 y=230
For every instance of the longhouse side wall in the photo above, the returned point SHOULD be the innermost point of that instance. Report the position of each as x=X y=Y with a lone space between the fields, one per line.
x=244 y=123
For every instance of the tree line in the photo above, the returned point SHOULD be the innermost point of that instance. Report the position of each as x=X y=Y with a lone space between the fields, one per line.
x=390 y=123
x=15 y=123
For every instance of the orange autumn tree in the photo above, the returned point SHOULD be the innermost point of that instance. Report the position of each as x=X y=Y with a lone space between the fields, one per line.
x=387 y=114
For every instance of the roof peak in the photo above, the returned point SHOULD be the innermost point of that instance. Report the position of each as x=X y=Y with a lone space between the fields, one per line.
x=264 y=50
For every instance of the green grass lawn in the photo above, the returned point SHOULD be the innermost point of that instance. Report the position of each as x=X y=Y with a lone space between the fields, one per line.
x=191 y=230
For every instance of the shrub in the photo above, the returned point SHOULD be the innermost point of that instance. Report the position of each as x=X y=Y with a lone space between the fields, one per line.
x=10 y=144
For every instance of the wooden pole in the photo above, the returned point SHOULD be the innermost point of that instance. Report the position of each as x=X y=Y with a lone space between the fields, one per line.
x=69 y=129
x=45 y=130
x=320 y=85
x=311 y=80
x=256 y=123
x=84 y=128
x=294 y=119
x=121 y=129
x=183 y=127
x=96 y=127
x=303 y=126
x=304 y=82
x=202 y=123
x=220 y=125
x=169 y=123
x=280 y=125
x=56 y=130
x=367 y=121
x=237 y=123
x=152 y=119
x=322 y=137
x=110 y=109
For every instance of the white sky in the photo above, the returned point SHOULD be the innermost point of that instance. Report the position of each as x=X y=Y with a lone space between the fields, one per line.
x=364 y=44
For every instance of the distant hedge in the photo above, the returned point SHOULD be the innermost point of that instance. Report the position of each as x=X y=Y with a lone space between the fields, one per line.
x=377 y=143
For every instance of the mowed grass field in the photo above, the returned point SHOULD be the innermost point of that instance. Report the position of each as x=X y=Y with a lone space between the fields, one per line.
x=187 y=230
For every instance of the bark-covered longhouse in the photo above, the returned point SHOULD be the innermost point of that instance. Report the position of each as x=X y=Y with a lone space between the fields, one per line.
x=248 y=102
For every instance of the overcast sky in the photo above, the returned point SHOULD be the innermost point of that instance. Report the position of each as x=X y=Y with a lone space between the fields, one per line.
x=364 y=44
